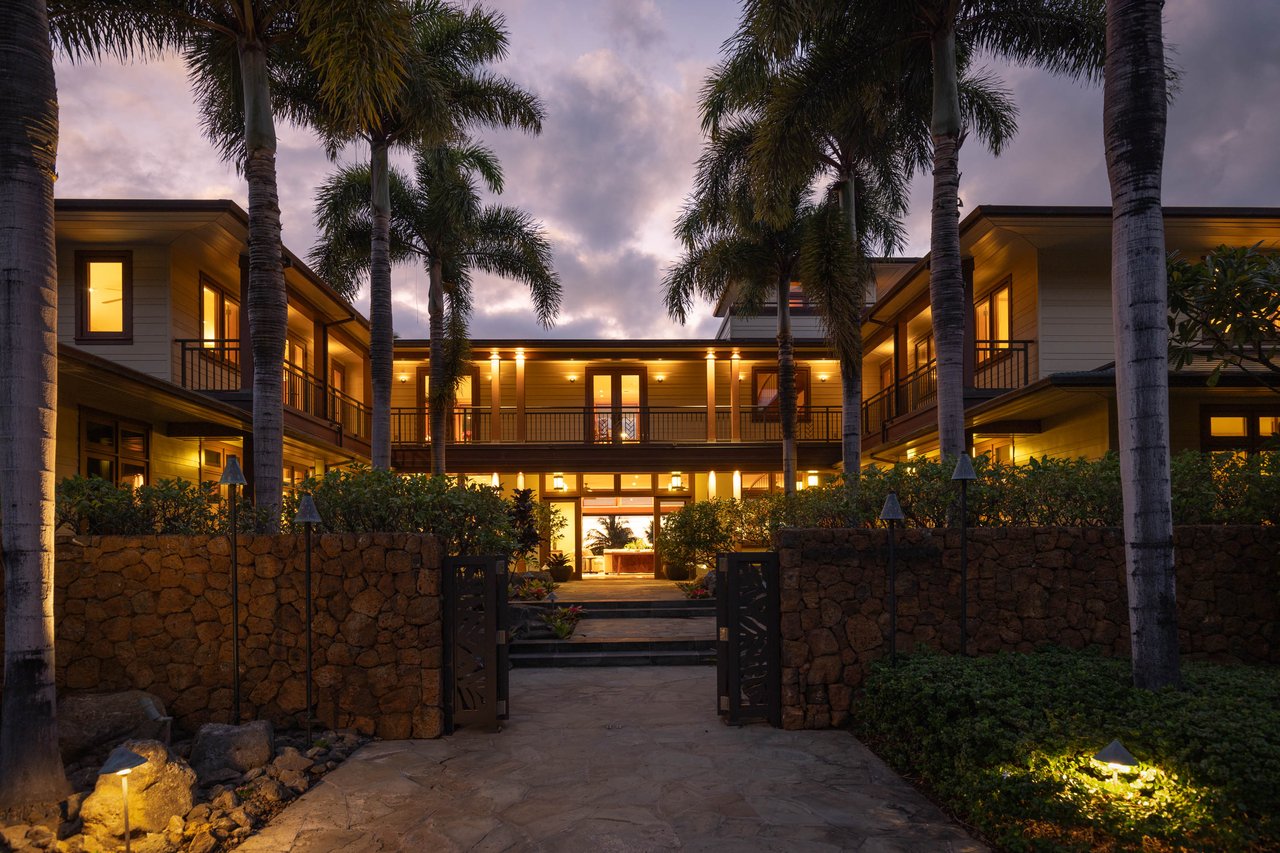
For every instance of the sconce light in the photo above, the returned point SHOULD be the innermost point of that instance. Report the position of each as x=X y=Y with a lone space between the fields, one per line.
x=557 y=482
x=741 y=375
x=812 y=479
x=572 y=377
x=404 y=377
x=822 y=377
x=661 y=377
x=677 y=481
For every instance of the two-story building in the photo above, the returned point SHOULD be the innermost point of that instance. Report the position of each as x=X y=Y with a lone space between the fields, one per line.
x=154 y=362
x=1039 y=351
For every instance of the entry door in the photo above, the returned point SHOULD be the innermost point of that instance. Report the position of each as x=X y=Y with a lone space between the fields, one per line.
x=461 y=425
x=616 y=404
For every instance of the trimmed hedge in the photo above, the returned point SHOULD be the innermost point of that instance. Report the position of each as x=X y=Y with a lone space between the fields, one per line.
x=1006 y=744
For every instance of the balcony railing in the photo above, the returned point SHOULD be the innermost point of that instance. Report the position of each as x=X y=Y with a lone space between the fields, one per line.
x=998 y=366
x=625 y=426
x=214 y=365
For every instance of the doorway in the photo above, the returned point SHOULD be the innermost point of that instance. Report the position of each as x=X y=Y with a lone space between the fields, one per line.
x=616 y=398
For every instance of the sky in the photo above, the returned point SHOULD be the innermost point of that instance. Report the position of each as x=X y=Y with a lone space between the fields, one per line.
x=608 y=174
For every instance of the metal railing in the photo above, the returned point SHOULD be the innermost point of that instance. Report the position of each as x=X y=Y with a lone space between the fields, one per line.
x=998 y=366
x=629 y=425
x=214 y=365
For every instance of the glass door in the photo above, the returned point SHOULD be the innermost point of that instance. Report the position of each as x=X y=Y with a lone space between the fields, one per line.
x=616 y=405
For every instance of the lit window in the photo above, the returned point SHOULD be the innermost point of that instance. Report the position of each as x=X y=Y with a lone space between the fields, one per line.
x=767 y=398
x=1227 y=427
x=1242 y=430
x=219 y=321
x=113 y=449
x=104 y=296
x=992 y=322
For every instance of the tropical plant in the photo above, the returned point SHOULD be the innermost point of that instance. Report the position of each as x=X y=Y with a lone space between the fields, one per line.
x=445 y=91
x=524 y=518
x=525 y=588
x=694 y=534
x=1135 y=111
x=30 y=767
x=236 y=54
x=563 y=620
x=729 y=250
x=611 y=532
x=560 y=567
x=437 y=218
x=1226 y=308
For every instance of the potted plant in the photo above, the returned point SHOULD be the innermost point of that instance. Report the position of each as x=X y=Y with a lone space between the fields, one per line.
x=560 y=567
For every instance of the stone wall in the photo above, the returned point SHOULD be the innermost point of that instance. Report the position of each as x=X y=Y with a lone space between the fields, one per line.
x=1027 y=587
x=153 y=613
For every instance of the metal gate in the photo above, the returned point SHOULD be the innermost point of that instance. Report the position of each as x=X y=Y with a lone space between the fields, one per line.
x=748 y=652
x=475 y=665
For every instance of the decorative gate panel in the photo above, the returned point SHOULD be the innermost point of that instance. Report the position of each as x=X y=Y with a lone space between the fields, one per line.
x=748 y=654
x=475 y=642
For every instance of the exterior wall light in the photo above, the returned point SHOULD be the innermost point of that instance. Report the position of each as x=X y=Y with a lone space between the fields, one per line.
x=661 y=377
x=812 y=479
x=404 y=377
x=822 y=377
x=557 y=482
x=121 y=763
x=1116 y=757
x=572 y=377
x=677 y=481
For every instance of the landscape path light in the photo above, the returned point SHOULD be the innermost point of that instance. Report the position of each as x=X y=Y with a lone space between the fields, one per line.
x=232 y=477
x=892 y=514
x=964 y=473
x=308 y=516
x=121 y=763
x=1115 y=756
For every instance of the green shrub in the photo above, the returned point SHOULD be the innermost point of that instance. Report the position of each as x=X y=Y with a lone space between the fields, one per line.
x=95 y=506
x=694 y=534
x=1006 y=742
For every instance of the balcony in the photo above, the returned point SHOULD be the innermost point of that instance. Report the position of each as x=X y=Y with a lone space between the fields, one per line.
x=999 y=366
x=626 y=426
x=214 y=366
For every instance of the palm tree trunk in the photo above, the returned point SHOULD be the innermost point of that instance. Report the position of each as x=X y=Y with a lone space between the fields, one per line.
x=1134 y=128
x=30 y=767
x=437 y=408
x=267 y=301
x=851 y=355
x=786 y=385
x=380 y=325
x=946 y=276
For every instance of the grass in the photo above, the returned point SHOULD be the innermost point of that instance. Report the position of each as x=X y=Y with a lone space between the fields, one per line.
x=1006 y=744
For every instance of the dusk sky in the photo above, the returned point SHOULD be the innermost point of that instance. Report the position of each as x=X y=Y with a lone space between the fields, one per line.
x=620 y=80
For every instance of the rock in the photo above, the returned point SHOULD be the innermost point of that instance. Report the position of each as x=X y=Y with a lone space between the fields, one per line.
x=271 y=791
x=315 y=752
x=158 y=843
x=290 y=759
x=41 y=836
x=175 y=826
x=295 y=779
x=87 y=721
x=240 y=748
x=241 y=818
x=199 y=813
x=253 y=774
x=14 y=837
x=225 y=801
x=203 y=842
x=158 y=790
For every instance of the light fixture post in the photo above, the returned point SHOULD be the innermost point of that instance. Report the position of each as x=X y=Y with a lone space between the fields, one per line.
x=892 y=514
x=308 y=516
x=121 y=763
x=233 y=477
x=964 y=473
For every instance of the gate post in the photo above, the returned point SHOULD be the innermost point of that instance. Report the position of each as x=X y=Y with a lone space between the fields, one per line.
x=748 y=630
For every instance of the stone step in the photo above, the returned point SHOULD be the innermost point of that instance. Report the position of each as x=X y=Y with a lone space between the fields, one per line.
x=642 y=609
x=635 y=657
x=546 y=647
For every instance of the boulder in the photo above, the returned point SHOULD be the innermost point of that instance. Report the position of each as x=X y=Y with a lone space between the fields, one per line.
x=290 y=759
x=158 y=790
x=87 y=721
x=220 y=748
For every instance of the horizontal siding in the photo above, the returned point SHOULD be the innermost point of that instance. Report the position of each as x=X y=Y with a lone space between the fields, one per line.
x=1075 y=310
x=150 y=350
x=1082 y=432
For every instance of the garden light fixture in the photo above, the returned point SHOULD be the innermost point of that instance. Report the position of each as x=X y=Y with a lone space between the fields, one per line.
x=892 y=513
x=121 y=763
x=1115 y=756
x=308 y=516
x=232 y=477
x=964 y=473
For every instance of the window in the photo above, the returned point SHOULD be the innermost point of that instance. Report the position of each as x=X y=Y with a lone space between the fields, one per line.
x=886 y=374
x=765 y=393
x=293 y=474
x=922 y=352
x=114 y=449
x=219 y=321
x=992 y=322
x=104 y=297
x=1247 y=430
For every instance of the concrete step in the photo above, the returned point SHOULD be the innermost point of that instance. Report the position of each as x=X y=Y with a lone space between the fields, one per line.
x=642 y=609
x=633 y=657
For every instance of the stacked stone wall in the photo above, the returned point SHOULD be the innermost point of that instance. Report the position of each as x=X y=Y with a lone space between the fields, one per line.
x=154 y=613
x=1027 y=587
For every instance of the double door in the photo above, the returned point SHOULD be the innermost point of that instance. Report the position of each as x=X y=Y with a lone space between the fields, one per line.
x=615 y=405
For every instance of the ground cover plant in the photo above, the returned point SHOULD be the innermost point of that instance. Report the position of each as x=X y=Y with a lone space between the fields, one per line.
x=1006 y=744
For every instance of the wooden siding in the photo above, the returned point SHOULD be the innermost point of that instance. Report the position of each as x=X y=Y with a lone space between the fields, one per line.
x=1080 y=432
x=1075 y=309
x=150 y=350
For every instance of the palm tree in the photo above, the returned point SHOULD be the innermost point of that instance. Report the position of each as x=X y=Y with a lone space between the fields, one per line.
x=236 y=51
x=830 y=104
x=1134 y=116
x=438 y=218
x=444 y=91
x=30 y=766
x=729 y=248
x=612 y=532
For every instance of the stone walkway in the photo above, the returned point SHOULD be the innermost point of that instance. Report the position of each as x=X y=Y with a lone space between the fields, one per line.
x=596 y=630
x=612 y=760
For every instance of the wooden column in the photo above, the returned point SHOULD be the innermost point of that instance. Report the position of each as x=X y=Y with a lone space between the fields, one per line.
x=711 y=397
x=970 y=334
x=495 y=397
x=520 y=425
x=735 y=405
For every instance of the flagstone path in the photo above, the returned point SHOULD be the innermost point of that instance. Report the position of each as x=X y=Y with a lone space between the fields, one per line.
x=604 y=760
